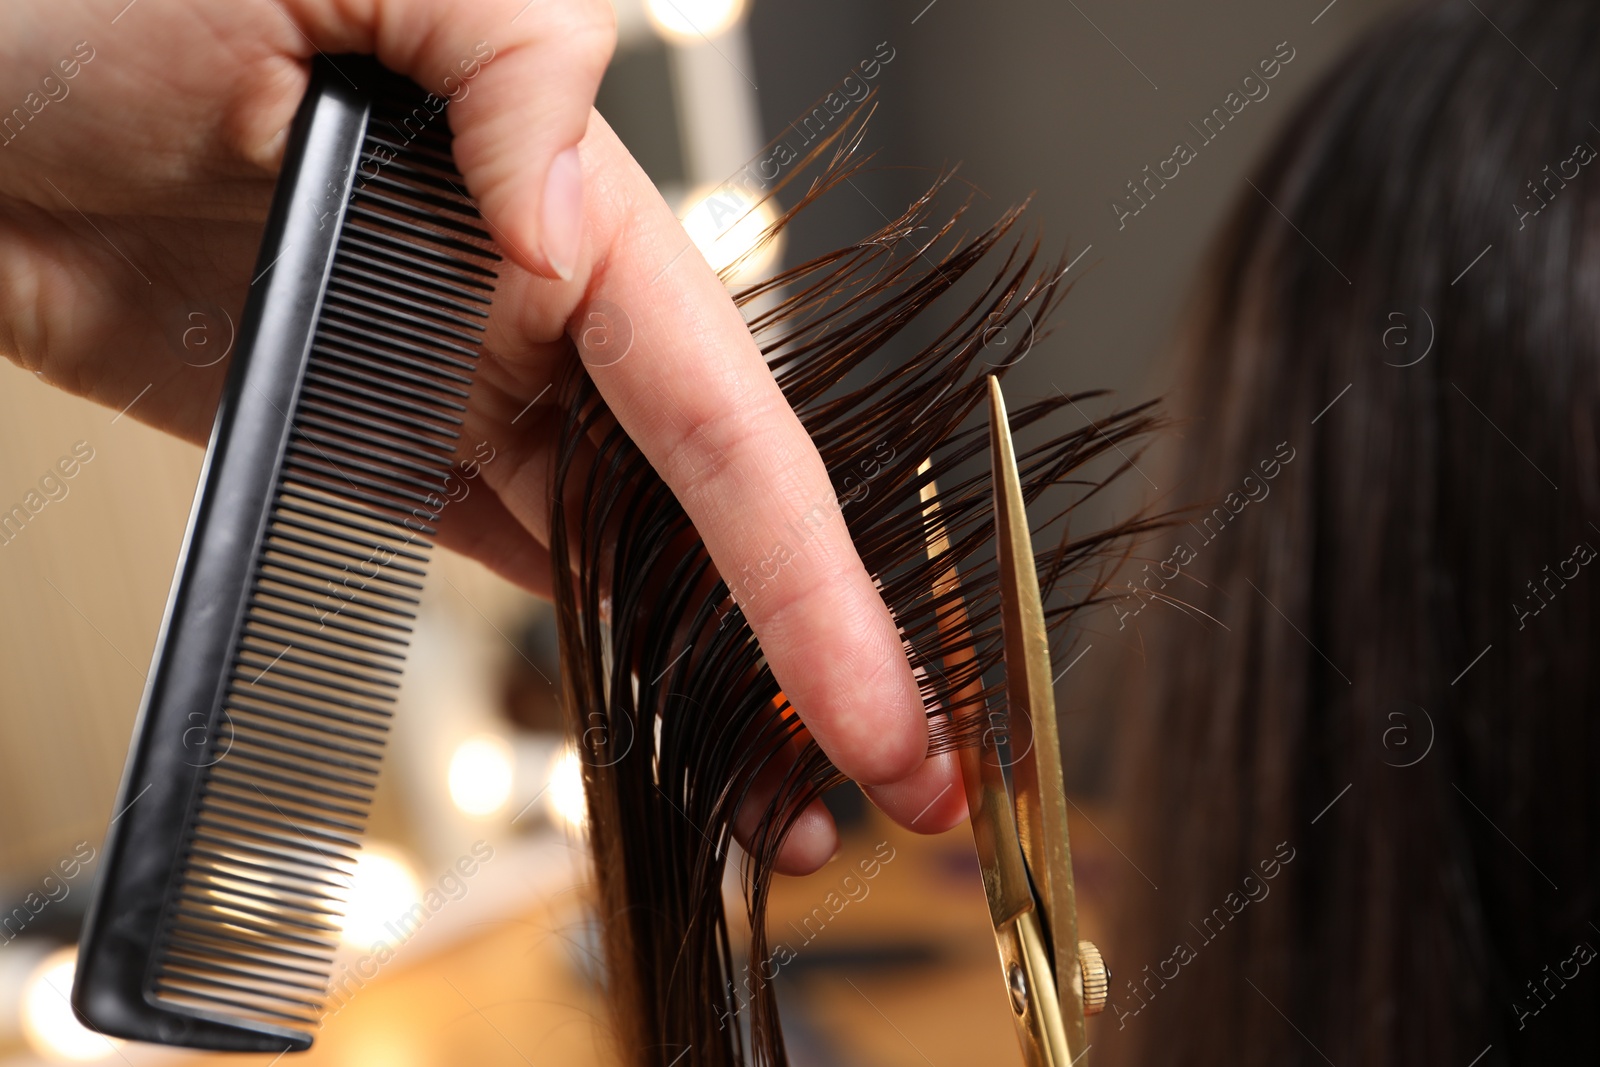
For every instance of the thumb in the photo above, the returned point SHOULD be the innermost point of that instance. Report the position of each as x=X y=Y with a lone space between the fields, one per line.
x=521 y=77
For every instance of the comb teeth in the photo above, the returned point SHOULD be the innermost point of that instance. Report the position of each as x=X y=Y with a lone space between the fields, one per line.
x=253 y=923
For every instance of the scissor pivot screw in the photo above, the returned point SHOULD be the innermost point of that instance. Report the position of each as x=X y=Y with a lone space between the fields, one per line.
x=1018 y=984
x=1096 y=978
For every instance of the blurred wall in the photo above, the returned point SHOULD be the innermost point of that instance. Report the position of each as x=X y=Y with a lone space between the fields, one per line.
x=83 y=584
x=1066 y=102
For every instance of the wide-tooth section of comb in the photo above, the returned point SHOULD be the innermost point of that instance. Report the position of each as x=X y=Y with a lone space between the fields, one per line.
x=253 y=921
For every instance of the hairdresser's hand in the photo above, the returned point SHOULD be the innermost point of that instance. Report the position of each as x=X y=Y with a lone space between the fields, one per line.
x=134 y=181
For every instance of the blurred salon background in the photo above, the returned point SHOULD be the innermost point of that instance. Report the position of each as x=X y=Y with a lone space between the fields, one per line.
x=473 y=884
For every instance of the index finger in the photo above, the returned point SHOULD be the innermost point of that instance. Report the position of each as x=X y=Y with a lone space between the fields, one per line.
x=696 y=395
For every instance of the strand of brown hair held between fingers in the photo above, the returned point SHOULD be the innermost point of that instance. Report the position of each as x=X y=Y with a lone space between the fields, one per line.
x=604 y=337
x=767 y=569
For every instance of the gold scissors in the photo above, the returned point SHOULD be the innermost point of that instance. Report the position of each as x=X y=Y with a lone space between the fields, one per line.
x=1053 y=980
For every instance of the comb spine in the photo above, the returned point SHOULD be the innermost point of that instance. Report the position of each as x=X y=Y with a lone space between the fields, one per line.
x=157 y=799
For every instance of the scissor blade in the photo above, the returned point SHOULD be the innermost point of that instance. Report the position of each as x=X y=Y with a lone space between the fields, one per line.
x=1030 y=695
x=994 y=824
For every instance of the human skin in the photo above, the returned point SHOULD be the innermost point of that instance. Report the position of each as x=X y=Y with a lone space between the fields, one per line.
x=137 y=200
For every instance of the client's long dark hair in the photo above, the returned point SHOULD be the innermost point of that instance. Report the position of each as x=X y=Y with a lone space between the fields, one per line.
x=1370 y=803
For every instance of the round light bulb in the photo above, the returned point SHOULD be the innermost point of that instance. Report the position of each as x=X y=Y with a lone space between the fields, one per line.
x=481 y=775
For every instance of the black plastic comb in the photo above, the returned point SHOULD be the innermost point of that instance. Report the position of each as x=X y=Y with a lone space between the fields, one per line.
x=258 y=741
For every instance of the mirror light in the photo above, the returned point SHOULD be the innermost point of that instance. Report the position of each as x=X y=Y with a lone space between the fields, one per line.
x=692 y=20
x=47 y=1020
x=724 y=224
x=481 y=775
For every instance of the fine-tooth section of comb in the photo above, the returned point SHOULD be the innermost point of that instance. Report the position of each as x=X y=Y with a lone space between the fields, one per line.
x=270 y=698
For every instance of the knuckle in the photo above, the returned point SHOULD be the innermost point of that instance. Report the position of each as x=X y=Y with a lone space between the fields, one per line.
x=586 y=32
x=784 y=601
x=710 y=446
x=604 y=15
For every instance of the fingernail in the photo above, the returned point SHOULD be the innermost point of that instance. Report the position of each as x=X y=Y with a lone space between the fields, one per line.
x=562 y=218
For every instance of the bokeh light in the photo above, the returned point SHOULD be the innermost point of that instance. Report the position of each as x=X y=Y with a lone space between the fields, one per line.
x=692 y=20
x=565 y=791
x=383 y=889
x=724 y=223
x=47 y=1020
x=481 y=775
